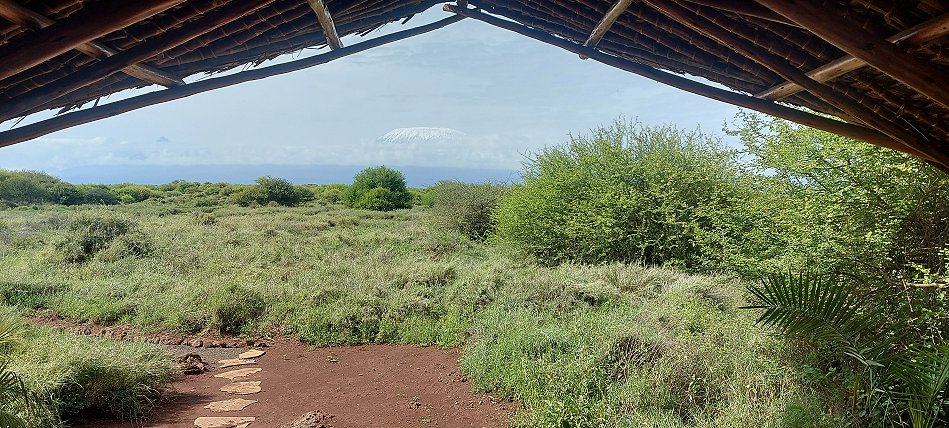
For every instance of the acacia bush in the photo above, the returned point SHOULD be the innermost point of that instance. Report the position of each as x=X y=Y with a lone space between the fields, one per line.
x=628 y=192
x=380 y=189
x=270 y=189
x=466 y=208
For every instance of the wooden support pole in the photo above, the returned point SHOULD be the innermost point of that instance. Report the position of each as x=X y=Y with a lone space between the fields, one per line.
x=326 y=21
x=744 y=7
x=769 y=107
x=910 y=38
x=732 y=39
x=94 y=20
x=38 y=129
x=147 y=49
x=830 y=24
x=606 y=22
x=28 y=18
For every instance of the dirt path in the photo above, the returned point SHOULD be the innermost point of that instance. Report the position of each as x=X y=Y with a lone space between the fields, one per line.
x=358 y=386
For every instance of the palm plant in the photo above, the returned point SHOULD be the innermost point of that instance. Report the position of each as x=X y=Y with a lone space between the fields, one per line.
x=821 y=308
x=12 y=389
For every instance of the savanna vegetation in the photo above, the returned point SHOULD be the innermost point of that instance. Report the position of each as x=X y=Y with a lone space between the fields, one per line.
x=637 y=276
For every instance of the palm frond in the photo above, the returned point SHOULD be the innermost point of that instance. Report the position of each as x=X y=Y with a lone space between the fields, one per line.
x=8 y=420
x=811 y=305
x=925 y=377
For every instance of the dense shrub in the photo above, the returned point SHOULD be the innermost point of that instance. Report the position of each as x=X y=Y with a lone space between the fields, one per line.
x=130 y=193
x=629 y=193
x=88 y=235
x=378 y=188
x=30 y=187
x=97 y=194
x=466 y=208
x=236 y=307
x=271 y=190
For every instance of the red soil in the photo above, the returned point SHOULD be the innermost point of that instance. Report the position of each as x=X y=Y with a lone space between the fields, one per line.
x=359 y=386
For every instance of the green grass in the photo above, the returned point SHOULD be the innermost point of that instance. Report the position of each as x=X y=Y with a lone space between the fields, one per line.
x=72 y=376
x=607 y=345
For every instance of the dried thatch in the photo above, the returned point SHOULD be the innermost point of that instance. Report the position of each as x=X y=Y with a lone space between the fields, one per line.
x=66 y=53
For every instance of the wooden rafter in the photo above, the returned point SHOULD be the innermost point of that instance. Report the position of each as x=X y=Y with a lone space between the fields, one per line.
x=87 y=24
x=910 y=38
x=730 y=37
x=147 y=49
x=830 y=24
x=38 y=129
x=769 y=107
x=606 y=22
x=744 y=7
x=28 y=18
x=326 y=21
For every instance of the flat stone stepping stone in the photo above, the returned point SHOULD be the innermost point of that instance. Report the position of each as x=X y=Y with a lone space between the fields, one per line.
x=242 y=388
x=224 y=421
x=235 y=362
x=253 y=353
x=232 y=405
x=238 y=373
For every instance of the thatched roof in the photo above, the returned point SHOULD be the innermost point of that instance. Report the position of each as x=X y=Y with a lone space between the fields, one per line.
x=879 y=67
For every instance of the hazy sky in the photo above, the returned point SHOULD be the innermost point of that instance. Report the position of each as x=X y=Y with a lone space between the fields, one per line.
x=506 y=94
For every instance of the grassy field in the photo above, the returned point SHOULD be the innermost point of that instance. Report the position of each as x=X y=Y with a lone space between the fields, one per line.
x=579 y=345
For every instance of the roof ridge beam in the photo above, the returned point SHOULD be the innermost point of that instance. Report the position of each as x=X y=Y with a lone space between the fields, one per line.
x=826 y=22
x=88 y=23
x=606 y=22
x=326 y=21
x=916 y=36
x=31 y=19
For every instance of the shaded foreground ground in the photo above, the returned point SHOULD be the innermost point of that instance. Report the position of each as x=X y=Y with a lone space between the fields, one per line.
x=357 y=386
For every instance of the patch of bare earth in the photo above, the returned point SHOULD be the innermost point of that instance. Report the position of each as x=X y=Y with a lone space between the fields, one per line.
x=301 y=387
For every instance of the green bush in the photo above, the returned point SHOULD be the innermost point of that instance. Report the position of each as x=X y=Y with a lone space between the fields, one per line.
x=88 y=235
x=131 y=193
x=466 y=208
x=378 y=188
x=97 y=194
x=628 y=193
x=236 y=307
x=271 y=190
x=30 y=187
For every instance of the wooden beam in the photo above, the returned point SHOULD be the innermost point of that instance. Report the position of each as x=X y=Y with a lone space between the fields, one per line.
x=606 y=22
x=910 y=38
x=153 y=46
x=28 y=18
x=94 y=20
x=733 y=38
x=830 y=24
x=38 y=129
x=744 y=7
x=326 y=21
x=769 y=107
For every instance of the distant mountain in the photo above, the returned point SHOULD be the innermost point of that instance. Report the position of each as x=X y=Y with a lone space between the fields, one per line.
x=422 y=135
x=415 y=176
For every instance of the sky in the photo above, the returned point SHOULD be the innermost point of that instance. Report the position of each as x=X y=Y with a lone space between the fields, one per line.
x=497 y=94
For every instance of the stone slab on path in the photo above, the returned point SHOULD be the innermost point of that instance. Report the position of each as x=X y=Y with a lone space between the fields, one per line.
x=238 y=373
x=253 y=353
x=242 y=388
x=232 y=405
x=231 y=362
x=224 y=421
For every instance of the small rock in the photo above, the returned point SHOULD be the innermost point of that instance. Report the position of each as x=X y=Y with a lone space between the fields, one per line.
x=196 y=343
x=315 y=419
x=214 y=344
x=191 y=364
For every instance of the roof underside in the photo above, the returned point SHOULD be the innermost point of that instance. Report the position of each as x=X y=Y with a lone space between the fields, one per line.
x=887 y=77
